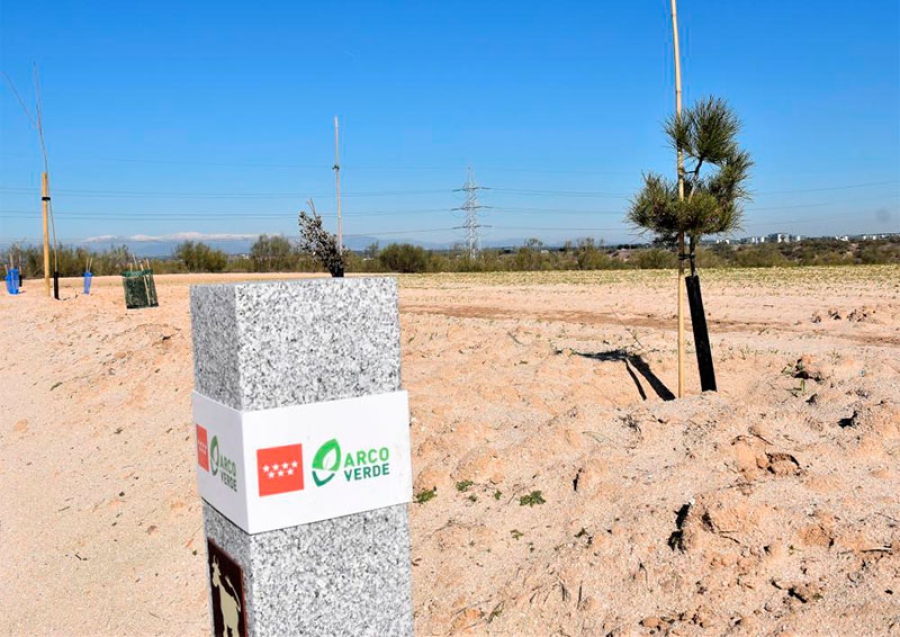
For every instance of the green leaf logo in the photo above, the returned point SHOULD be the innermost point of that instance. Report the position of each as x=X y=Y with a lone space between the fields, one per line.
x=326 y=462
x=214 y=455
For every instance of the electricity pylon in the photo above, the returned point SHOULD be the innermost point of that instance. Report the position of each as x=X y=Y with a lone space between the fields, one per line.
x=471 y=208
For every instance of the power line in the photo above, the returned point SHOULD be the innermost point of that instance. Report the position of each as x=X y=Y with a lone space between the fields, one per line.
x=198 y=163
x=393 y=232
x=149 y=215
x=382 y=167
x=355 y=167
x=848 y=186
x=233 y=195
x=555 y=228
x=561 y=211
x=73 y=192
x=119 y=216
x=563 y=193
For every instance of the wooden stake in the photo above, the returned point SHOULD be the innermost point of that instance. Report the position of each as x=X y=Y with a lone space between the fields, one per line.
x=144 y=276
x=45 y=201
x=337 y=186
x=680 y=198
x=45 y=197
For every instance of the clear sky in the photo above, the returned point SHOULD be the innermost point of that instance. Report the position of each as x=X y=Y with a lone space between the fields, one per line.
x=171 y=117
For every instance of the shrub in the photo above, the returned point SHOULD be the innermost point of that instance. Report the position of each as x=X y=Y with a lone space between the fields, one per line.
x=654 y=259
x=199 y=257
x=404 y=257
x=588 y=257
x=424 y=496
x=533 y=498
x=273 y=254
x=766 y=255
x=321 y=244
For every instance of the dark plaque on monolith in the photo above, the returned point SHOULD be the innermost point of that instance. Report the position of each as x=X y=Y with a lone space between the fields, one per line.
x=226 y=583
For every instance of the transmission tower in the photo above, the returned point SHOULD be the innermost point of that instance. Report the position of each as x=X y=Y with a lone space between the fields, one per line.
x=471 y=208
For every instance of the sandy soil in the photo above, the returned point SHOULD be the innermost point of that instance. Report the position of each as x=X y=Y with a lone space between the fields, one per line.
x=770 y=508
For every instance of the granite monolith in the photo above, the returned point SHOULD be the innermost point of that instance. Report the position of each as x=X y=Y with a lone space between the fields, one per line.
x=268 y=345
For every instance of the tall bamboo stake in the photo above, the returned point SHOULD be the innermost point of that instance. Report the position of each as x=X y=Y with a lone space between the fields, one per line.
x=45 y=200
x=45 y=196
x=337 y=186
x=680 y=198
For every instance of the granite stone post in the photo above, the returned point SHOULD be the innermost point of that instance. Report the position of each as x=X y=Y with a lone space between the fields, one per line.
x=260 y=346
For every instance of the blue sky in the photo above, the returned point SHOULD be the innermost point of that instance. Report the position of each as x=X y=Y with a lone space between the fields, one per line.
x=164 y=118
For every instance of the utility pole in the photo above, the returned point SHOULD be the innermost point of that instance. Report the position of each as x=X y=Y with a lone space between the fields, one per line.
x=337 y=186
x=471 y=207
x=680 y=198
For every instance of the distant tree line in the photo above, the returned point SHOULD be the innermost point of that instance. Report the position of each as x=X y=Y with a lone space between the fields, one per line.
x=273 y=253
x=70 y=261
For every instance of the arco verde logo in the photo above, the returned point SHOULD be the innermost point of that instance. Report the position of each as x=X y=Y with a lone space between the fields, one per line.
x=362 y=464
x=222 y=465
x=326 y=462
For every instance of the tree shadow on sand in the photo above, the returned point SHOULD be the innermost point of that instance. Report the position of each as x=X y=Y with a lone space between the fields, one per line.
x=634 y=362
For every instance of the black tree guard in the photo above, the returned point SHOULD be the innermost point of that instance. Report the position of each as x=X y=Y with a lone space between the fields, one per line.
x=701 y=334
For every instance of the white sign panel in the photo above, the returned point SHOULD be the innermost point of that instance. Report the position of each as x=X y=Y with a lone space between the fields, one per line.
x=277 y=468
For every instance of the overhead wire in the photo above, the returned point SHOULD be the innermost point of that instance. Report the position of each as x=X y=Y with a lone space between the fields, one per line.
x=502 y=210
x=497 y=210
x=385 y=193
x=72 y=192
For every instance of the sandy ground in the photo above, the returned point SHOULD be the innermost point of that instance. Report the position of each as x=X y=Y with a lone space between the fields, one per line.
x=770 y=508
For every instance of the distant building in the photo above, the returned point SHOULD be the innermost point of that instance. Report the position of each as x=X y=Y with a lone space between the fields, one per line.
x=780 y=237
x=873 y=237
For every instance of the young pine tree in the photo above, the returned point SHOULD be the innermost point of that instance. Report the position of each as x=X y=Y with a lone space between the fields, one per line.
x=715 y=179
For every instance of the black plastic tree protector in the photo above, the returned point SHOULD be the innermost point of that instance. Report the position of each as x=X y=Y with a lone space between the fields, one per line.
x=140 y=289
x=56 y=285
x=701 y=334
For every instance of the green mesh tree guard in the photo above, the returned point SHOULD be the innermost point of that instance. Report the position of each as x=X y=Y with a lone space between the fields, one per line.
x=140 y=291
